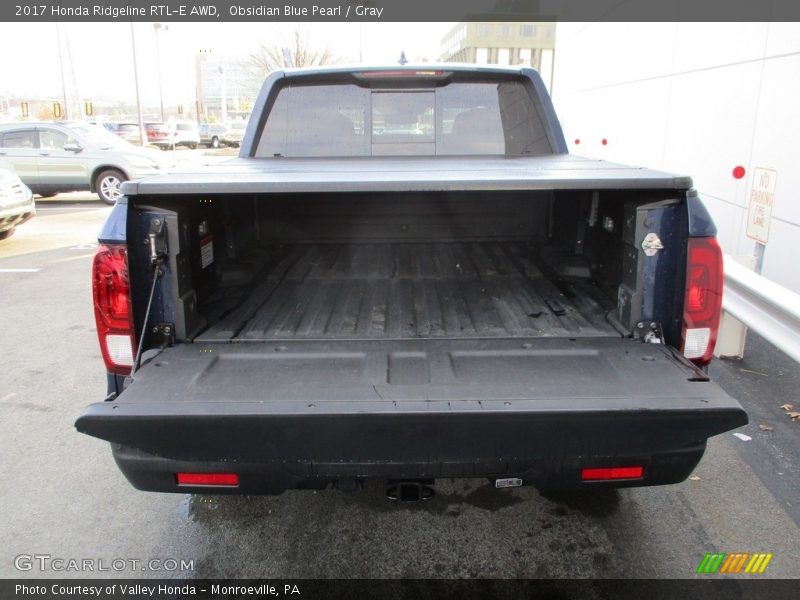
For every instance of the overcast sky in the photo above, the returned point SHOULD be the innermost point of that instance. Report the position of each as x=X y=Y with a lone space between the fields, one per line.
x=102 y=58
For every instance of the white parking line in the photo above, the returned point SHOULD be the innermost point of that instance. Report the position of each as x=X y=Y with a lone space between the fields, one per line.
x=19 y=270
x=39 y=207
x=69 y=258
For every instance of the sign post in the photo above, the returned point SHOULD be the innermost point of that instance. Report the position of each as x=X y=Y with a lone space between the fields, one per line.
x=759 y=212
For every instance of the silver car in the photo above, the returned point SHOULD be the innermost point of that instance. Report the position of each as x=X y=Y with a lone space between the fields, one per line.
x=16 y=203
x=52 y=158
x=218 y=134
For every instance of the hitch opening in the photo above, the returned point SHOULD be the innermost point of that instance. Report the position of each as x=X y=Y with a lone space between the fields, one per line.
x=410 y=490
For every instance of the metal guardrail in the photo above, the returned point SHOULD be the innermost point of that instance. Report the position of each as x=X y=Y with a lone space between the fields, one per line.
x=764 y=306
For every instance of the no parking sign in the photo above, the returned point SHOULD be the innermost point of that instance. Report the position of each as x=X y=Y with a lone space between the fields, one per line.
x=762 y=195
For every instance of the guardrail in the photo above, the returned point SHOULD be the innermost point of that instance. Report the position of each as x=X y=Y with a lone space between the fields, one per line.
x=764 y=306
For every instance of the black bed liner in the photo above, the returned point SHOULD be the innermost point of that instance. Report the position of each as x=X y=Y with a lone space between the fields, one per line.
x=410 y=290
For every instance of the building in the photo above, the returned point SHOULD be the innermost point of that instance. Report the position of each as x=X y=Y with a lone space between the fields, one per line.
x=226 y=88
x=717 y=101
x=530 y=44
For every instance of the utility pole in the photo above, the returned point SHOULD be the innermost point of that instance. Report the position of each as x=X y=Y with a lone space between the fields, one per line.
x=142 y=132
x=223 y=94
x=74 y=79
x=61 y=64
x=157 y=28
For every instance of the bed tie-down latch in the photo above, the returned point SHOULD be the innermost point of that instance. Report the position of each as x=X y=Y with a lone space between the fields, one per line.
x=649 y=332
x=157 y=238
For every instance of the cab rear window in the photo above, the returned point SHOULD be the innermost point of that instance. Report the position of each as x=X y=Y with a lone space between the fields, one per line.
x=459 y=118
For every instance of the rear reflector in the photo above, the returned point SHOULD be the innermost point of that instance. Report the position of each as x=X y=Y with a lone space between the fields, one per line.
x=702 y=303
x=606 y=473
x=229 y=479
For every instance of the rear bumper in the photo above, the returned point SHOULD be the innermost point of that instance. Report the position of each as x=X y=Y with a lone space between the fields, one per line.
x=157 y=474
x=274 y=453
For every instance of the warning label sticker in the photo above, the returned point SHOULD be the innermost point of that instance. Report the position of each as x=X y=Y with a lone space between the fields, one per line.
x=207 y=252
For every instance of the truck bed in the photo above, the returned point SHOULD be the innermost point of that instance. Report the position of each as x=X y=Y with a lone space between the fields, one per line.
x=410 y=290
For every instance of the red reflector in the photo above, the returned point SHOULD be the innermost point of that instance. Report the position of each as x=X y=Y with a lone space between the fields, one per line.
x=605 y=473
x=207 y=478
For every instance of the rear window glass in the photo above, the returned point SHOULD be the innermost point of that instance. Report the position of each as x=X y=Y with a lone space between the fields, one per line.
x=460 y=118
x=18 y=139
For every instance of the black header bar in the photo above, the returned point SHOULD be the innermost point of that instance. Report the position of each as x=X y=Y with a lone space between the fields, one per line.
x=372 y=11
x=699 y=588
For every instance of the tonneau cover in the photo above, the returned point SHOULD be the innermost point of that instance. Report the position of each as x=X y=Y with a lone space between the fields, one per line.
x=401 y=174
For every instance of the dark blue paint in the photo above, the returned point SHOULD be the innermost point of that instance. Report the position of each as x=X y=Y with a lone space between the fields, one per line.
x=662 y=287
x=700 y=222
x=113 y=230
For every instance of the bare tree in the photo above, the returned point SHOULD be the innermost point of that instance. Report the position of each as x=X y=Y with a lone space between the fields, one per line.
x=270 y=58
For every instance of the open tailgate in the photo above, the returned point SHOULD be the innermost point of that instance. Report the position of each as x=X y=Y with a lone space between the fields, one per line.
x=413 y=401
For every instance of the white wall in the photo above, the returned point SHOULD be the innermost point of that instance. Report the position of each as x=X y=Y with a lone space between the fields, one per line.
x=697 y=99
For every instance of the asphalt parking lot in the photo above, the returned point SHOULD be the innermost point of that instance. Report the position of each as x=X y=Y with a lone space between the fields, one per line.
x=65 y=498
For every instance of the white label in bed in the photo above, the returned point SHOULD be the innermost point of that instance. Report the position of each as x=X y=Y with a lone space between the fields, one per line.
x=207 y=252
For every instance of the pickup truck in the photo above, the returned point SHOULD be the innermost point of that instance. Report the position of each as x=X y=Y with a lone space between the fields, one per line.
x=405 y=276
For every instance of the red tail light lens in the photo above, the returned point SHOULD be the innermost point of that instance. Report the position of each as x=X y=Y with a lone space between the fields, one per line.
x=112 y=307
x=223 y=479
x=608 y=473
x=703 y=300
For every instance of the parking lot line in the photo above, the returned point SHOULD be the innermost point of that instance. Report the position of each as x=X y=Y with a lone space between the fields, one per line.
x=19 y=270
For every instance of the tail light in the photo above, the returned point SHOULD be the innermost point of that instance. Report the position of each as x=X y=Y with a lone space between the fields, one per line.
x=111 y=289
x=703 y=300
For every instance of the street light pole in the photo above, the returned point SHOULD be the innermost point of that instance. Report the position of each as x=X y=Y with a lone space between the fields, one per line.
x=223 y=93
x=63 y=80
x=157 y=28
x=142 y=132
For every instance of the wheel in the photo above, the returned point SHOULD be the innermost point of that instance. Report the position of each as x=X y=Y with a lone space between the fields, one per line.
x=107 y=185
x=4 y=235
x=192 y=146
x=215 y=142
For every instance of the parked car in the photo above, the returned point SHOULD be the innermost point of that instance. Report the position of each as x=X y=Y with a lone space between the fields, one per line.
x=129 y=132
x=161 y=135
x=108 y=126
x=187 y=134
x=51 y=158
x=234 y=132
x=210 y=134
x=219 y=134
x=16 y=203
